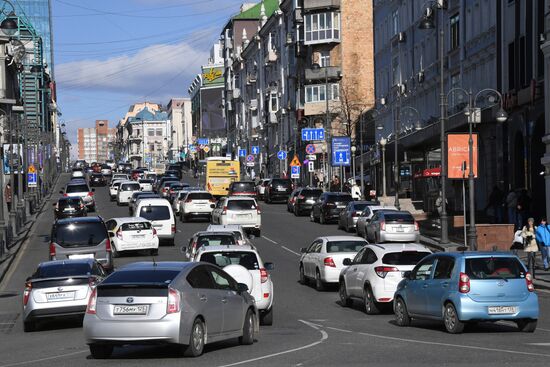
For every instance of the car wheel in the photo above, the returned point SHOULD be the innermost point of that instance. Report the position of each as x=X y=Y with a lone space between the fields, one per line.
x=196 y=339
x=402 y=317
x=342 y=291
x=154 y=252
x=296 y=212
x=371 y=307
x=319 y=284
x=322 y=219
x=340 y=225
x=248 y=329
x=114 y=251
x=99 y=351
x=29 y=326
x=303 y=279
x=450 y=318
x=266 y=318
x=527 y=325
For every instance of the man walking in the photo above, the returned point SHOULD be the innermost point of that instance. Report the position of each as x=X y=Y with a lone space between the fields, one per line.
x=543 y=240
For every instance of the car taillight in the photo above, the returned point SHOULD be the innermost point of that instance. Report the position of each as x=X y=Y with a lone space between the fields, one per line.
x=263 y=275
x=330 y=204
x=382 y=271
x=92 y=282
x=92 y=303
x=328 y=261
x=383 y=226
x=173 y=305
x=119 y=234
x=154 y=232
x=529 y=281
x=258 y=209
x=172 y=191
x=416 y=228
x=52 y=249
x=464 y=283
x=108 y=245
x=173 y=228
x=27 y=293
x=301 y=197
x=91 y=193
x=224 y=211
x=65 y=195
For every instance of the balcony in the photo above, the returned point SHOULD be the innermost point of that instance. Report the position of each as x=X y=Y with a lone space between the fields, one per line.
x=332 y=72
x=321 y=4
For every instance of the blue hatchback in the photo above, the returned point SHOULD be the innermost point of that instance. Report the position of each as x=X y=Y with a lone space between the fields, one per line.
x=467 y=287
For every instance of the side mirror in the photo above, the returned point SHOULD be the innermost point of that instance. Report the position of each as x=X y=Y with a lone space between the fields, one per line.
x=407 y=275
x=347 y=262
x=241 y=288
x=303 y=250
x=269 y=266
x=111 y=234
x=183 y=249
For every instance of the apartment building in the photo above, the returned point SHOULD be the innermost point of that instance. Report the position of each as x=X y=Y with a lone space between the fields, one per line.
x=179 y=115
x=87 y=144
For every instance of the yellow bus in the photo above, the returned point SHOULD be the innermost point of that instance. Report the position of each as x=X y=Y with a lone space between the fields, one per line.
x=220 y=173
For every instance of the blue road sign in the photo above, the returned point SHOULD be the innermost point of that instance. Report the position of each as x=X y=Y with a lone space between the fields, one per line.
x=341 y=151
x=255 y=149
x=32 y=179
x=242 y=152
x=281 y=155
x=313 y=134
x=295 y=172
x=310 y=149
x=202 y=141
x=250 y=158
x=192 y=148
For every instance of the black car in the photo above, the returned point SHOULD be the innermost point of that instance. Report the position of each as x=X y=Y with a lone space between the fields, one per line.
x=242 y=188
x=329 y=205
x=97 y=179
x=304 y=200
x=278 y=189
x=69 y=207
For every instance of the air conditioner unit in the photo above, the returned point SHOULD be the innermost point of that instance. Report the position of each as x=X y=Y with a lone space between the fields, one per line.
x=401 y=37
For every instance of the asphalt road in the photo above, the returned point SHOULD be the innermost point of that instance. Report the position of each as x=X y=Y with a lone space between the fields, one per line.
x=310 y=328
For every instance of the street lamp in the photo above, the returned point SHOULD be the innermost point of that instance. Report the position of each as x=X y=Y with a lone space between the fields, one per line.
x=353 y=150
x=9 y=25
x=383 y=142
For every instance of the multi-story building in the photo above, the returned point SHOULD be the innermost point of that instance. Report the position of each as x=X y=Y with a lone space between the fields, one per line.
x=87 y=144
x=179 y=114
x=95 y=144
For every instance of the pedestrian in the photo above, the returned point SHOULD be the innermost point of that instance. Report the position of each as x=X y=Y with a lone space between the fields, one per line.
x=511 y=205
x=355 y=191
x=528 y=233
x=543 y=240
x=315 y=180
x=496 y=202
x=8 y=196
x=335 y=184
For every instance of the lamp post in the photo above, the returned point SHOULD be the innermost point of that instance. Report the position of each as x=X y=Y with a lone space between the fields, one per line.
x=353 y=150
x=383 y=142
x=396 y=128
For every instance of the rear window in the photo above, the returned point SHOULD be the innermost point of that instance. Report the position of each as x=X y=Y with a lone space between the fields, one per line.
x=215 y=240
x=359 y=206
x=80 y=234
x=279 y=182
x=241 y=205
x=345 y=246
x=399 y=218
x=247 y=259
x=404 y=257
x=141 y=276
x=62 y=270
x=242 y=187
x=315 y=193
x=77 y=188
x=69 y=203
x=135 y=226
x=104 y=166
x=146 y=181
x=339 y=198
x=129 y=187
x=199 y=196
x=155 y=212
x=494 y=268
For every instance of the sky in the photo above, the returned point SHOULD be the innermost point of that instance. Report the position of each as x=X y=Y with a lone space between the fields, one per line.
x=109 y=54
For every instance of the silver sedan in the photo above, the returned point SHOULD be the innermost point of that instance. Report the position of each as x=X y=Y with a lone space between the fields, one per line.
x=189 y=304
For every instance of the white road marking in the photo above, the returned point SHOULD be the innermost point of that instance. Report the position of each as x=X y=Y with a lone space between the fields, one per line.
x=289 y=250
x=542 y=329
x=283 y=247
x=43 y=359
x=324 y=336
x=539 y=344
x=269 y=239
x=341 y=330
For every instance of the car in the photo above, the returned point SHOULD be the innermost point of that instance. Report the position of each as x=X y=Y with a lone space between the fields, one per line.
x=239 y=210
x=160 y=213
x=182 y=303
x=173 y=173
x=392 y=226
x=242 y=188
x=260 y=188
x=120 y=176
x=97 y=179
x=366 y=215
x=323 y=259
x=173 y=189
x=82 y=190
x=236 y=229
x=304 y=200
x=111 y=164
x=196 y=204
x=69 y=207
x=136 y=174
x=278 y=189
x=124 y=167
x=460 y=288
x=81 y=238
x=78 y=173
x=113 y=189
x=96 y=167
x=174 y=168
x=292 y=199
x=162 y=188
x=80 y=163
x=59 y=289
x=146 y=184
x=245 y=265
x=347 y=220
x=208 y=238
x=106 y=170
x=136 y=196
x=125 y=191
x=328 y=206
x=132 y=234
x=373 y=274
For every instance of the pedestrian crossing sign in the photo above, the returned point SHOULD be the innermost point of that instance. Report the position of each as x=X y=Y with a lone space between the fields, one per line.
x=295 y=162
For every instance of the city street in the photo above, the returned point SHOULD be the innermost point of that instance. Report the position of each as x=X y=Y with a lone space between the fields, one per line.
x=310 y=328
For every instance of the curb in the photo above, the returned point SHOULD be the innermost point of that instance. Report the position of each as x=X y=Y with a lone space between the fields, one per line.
x=437 y=246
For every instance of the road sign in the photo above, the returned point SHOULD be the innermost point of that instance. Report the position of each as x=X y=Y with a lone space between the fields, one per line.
x=32 y=177
x=310 y=149
x=295 y=162
x=192 y=148
x=311 y=166
x=203 y=141
x=242 y=152
x=255 y=149
x=250 y=164
x=295 y=172
x=341 y=151
x=312 y=157
x=206 y=149
x=281 y=155
x=250 y=158
x=313 y=134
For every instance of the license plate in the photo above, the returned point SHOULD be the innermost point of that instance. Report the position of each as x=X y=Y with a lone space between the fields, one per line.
x=130 y=310
x=82 y=256
x=244 y=216
x=500 y=310
x=138 y=236
x=69 y=209
x=60 y=296
x=310 y=201
x=399 y=229
x=281 y=189
x=157 y=225
x=341 y=206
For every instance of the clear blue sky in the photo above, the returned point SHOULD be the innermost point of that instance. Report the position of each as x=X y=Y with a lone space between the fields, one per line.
x=112 y=53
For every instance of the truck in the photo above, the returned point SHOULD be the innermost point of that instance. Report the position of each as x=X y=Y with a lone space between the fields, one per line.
x=220 y=173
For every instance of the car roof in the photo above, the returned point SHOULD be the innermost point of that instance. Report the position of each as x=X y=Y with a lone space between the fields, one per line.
x=123 y=220
x=381 y=207
x=403 y=246
x=400 y=212
x=342 y=238
x=150 y=265
x=474 y=254
x=240 y=198
x=89 y=219
x=234 y=248
x=198 y=192
x=219 y=227
x=129 y=182
x=150 y=201
x=210 y=233
x=368 y=202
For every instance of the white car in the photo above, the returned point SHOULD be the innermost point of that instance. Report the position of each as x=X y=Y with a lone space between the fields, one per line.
x=146 y=184
x=366 y=216
x=159 y=212
x=375 y=271
x=323 y=260
x=131 y=234
x=245 y=265
x=237 y=230
x=239 y=210
x=120 y=176
x=113 y=188
x=125 y=192
x=196 y=204
x=180 y=196
x=77 y=174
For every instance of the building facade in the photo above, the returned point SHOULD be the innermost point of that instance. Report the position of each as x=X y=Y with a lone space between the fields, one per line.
x=87 y=144
x=179 y=114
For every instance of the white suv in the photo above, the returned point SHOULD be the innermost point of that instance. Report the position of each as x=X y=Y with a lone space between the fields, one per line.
x=374 y=273
x=245 y=265
x=196 y=204
x=239 y=210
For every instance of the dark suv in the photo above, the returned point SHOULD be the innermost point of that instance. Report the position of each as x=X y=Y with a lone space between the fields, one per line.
x=278 y=189
x=242 y=188
x=329 y=205
x=97 y=179
x=304 y=200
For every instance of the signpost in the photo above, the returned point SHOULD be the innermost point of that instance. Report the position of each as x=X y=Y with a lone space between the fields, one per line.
x=192 y=148
x=206 y=149
x=295 y=172
x=242 y=153
x=341 y=151
x=312 y=157
x=255 y=150
x=313 y=134
x=281 y=155
x=311 y=166
x=32 y=177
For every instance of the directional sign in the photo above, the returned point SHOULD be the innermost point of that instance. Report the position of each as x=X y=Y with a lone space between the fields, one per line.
x=310 y=149
x=341 y=151
x=281 y=155
x=295 y=172
x=250 y=158
x=203 y=141
x=242 y=152
x=313 y=134
x=32 y=177
x=295 y=162
x=311 y=166
x=255 y=149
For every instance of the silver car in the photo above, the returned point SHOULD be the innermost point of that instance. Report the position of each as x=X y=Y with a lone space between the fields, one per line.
x=392 y=226
x=189 y=304
x=347 y=219
x=58 y=289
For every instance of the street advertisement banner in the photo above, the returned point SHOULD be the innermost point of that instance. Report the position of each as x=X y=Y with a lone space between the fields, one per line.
x=341 y=151
x=458 y=153
x=213 y=123
x=16 y=157
x=212 y=76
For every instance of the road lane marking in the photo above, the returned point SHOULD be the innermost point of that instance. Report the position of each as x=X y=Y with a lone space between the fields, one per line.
x=269 y=239
x=283 y=247
x=289 y=250
x=539 y=344
x=43 y=359
x=324 y=336
x=341 y=330
x=543 y=329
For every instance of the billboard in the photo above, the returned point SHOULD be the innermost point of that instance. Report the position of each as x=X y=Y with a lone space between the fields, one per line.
x=213 y=123
x=212 y=76
x=458 y=153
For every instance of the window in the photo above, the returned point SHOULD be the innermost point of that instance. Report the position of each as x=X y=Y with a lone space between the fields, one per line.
x=273 y=102
x=395 y=22
x=241 y=205
x=62 y=270
x=494 y=267
x=404 y=257
x=444 y=267
x=322 y=27
x=316 y=93
x=80 y=234
x=455 y=31
x=151 y=212
x=359 y=256
x=200 y=278
x=246 y=259
x=345 y=246
x=221 y=280
x=369 y=257
x=150 y=132
x=511 y=65
x=324 y=58
x=396 y=74
x=423 y=270
x=159 y=132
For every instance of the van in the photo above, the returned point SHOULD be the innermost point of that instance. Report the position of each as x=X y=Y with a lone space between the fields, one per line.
x=125 y=191
x=161 y=215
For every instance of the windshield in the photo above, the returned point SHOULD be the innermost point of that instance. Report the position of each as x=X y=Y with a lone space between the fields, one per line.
x=242 y=187
x=65 y=269
x=241 y=205
x=314 y=193
x=80 y=234
x=155 y=212
x=359 y=206
x=216 y=240
x=77 y=188
x=246 y=259
x=345 y=246
x=494 y=268
x=404 y=257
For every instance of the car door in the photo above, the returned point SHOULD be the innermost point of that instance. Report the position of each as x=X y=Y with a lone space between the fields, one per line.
x=417 y=285
x=351 y=273
x=364 y=270
x=344 y=215
x=438 y=284
x=307 y=260
x=206 y=298
x=233 y=302
x=370 y=227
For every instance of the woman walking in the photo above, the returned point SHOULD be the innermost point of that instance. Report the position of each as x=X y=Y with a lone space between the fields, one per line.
x=529 y=237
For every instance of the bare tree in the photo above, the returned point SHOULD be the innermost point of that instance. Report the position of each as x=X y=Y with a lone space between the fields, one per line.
x=348 y=111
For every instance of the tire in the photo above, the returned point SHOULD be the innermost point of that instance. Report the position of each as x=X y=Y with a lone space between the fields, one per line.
x=527 y=325
x=266 y=318
x=319 y=284
x=248 y=329
x=402 y=317
x=196 y=339
x=303 y=278
x=296 y=211
x=114 y=251
x=322 y=218
x=371 y=306
x=450 y=318
x=311 y=217
x=100 y=351
x=154 y=252
x=29 y=326
x=342 y=291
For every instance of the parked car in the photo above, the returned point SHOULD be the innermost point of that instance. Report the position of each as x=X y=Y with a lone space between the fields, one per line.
x=304 y=200
x=323 y=259
x=113 y=189
x=260 y=188
x=59 y=289
x=160 y=213
x=81 y=238
x=348 y=217
x=239 y=210
x=136 y=196
x=366 y=215
x=146 y=184
x=125 y=192
x=467 y=287
x=242 y=188
x=372 y=276
x=69 y=207
x=292 y=199
x=163 y=302
x=392 y=226
x=97 y=179
x=197 y=204
x=328 y=206
x=278 y=189
x=132 y=234
x=82 y=190
x=208 y=238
